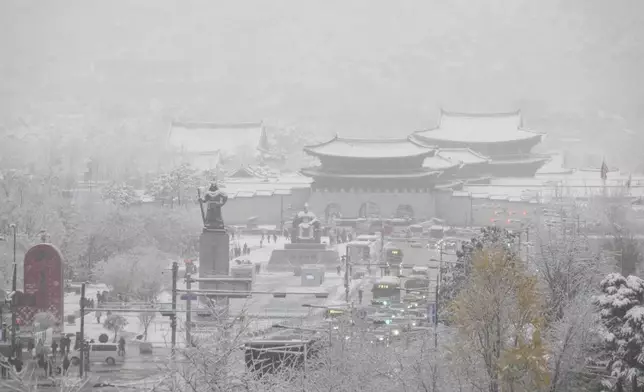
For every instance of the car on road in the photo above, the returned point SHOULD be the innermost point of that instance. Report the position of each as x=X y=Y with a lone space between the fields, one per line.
x=100 y=352
x=398 y=307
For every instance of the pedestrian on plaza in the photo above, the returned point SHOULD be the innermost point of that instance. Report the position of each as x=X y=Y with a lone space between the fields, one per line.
x=65 y=342
x=245 y=248
x=54 y=347
x=268 y=238
x=274 y=238
x=63 y=345
x=66 y=363
x=19 y=349
x=98 y=297
x=99 y=314
x=339 y=268
x=360 y=295
x=122 y=346
x=262 y=237
x=30 y=345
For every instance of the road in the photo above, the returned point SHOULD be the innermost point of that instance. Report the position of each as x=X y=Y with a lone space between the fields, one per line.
x=269 y=311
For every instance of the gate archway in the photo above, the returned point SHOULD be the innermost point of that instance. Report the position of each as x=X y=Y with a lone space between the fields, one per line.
x=404 y=211
x=369 y=209
x=332 y=210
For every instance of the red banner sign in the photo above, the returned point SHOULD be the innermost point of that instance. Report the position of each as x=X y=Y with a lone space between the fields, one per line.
x=43 y=278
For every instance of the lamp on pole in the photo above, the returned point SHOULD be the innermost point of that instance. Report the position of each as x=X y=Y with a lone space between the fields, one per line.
x=14 y=284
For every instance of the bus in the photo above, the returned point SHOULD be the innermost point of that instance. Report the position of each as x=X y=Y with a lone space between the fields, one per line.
x=366 y=252
x=393 y=255
x=416 y=285
x=334 y=313
x=420 y=271
x=386 y=291
x=415 y=231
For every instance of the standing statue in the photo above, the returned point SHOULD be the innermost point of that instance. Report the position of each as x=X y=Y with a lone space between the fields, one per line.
x=215 y=200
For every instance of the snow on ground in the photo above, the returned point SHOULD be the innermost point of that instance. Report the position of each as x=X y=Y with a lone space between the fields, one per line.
x=159 y=328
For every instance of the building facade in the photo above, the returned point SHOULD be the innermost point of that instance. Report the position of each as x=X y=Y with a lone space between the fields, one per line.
x=368 y=177
x=209 y=146
x=500 y=137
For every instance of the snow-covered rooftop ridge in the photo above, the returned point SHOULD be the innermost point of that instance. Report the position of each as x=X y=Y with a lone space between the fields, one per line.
x=463 y=155
x=438 y=162
x=370 y=148
x=203 y=137
x=219 y=126
x=479 y=128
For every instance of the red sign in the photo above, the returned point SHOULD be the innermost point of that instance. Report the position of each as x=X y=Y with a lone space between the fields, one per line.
x=43 y=269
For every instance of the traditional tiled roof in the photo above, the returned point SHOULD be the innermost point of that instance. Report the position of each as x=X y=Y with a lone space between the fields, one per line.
x=521 y=159
x=370 y=148
x=251 y=171
x=203 y=138
x=318 y=172
x=478 y=128
x=464 y=155
x=438 y=162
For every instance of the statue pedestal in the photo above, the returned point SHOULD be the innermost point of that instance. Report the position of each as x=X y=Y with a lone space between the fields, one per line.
x=213 y=253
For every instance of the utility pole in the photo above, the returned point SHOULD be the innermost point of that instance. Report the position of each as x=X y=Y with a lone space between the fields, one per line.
x=346 y=275
x=173 y=317
x=440 y=263
x=14 y=287
x=82 y=332
x=281 y=214
x=188 y=310
x=436 y=315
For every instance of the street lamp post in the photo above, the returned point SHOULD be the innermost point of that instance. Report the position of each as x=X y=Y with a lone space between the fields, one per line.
x=346 y=275
x=14 y=287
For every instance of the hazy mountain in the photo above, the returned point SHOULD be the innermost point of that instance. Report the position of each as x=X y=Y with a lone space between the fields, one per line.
x=358 y=67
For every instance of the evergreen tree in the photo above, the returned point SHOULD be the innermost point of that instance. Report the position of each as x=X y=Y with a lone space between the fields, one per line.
x=622 y=317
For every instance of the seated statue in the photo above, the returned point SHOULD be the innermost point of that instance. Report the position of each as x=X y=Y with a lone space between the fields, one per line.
x=306 y=227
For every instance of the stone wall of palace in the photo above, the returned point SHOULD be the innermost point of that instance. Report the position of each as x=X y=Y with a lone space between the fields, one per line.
x=266 y=208
x=456 y=208
x=467 y=210
x=388 y=203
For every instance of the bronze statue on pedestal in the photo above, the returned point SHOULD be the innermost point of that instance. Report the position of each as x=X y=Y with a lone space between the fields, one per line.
x=214 y=199
x=306 y=227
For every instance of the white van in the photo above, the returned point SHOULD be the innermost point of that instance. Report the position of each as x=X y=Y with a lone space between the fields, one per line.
x=100 y=352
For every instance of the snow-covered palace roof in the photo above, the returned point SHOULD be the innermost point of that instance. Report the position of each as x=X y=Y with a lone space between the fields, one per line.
x=463 y=155
x=370 y=148
x=204 y=137
x=478 y=128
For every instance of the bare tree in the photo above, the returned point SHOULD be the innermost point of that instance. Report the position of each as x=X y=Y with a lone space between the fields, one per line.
x=28 y=381
x=137 y=273
x=115 y=323
x=571 y=340
x=145 y=319
x=566 y=266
